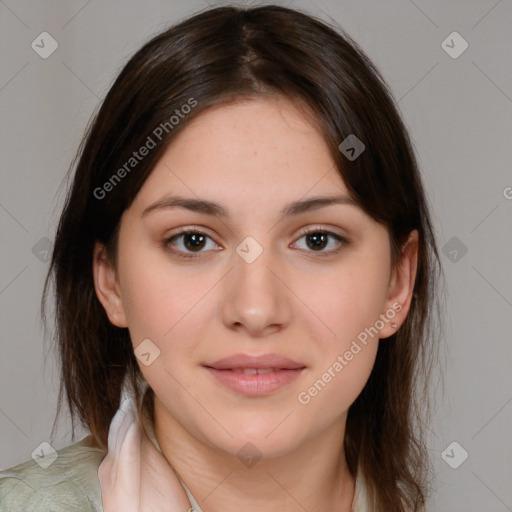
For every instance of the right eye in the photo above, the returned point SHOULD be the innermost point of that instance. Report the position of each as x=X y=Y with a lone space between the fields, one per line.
x=188 y=243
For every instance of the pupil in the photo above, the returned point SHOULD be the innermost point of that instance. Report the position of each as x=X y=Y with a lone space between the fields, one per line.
x=319 y=240
x=196 y=239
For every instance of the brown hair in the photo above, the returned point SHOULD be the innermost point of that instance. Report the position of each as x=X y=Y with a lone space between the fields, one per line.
x=215 y=57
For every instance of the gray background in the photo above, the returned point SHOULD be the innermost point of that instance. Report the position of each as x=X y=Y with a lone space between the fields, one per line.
x=458 y=111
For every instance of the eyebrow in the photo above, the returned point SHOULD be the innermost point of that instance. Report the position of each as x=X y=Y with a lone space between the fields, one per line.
x=215 y=209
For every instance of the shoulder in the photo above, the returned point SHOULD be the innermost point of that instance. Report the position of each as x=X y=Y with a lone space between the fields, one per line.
x=69 y=483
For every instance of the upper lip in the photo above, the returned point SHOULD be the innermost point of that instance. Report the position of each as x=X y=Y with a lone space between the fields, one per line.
x=263 y=361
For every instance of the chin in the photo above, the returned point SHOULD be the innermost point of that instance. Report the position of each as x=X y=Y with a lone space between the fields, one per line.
x=257 y=447
x=271 y=437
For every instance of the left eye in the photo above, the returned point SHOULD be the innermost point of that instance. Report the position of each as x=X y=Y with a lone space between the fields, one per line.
x=318 y=240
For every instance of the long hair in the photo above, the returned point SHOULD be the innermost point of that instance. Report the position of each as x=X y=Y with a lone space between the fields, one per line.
x=212 y=58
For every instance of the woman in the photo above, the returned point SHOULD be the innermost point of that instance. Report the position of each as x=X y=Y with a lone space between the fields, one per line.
x=245 y=274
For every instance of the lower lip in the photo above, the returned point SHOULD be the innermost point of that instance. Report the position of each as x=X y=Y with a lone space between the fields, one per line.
x=255 y=385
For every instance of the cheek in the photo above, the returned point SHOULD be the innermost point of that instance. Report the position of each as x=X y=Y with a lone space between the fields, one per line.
x=336 y=386
x=365 y=284
x=154 y=296
x=167 y=303
x=346 y=302
x=344 y=358
x=349 y=306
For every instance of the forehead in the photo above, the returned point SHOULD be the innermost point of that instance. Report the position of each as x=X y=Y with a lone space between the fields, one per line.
x=258 y=151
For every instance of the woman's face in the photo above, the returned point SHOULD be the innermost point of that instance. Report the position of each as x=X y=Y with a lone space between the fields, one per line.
x=251 y=283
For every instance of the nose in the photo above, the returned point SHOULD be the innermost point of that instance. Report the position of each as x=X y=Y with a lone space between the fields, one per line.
x=256 y=299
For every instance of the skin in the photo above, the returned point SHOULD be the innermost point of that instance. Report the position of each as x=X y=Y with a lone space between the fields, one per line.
x=253 y=157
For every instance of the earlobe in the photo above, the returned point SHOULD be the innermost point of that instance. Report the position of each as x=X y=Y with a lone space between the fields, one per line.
x=402 y=286
x=106 y=286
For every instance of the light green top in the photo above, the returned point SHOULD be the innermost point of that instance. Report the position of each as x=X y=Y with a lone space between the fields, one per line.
x=70 y=483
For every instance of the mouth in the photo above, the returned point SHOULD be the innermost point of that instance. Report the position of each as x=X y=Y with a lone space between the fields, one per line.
x=254 y=371
x=255 y=375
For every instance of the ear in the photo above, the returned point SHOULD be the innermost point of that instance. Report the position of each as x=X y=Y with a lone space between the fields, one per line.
x=401 y=286
x=107 y=286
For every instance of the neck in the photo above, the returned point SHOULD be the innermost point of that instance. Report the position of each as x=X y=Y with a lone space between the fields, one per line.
x=313 y=476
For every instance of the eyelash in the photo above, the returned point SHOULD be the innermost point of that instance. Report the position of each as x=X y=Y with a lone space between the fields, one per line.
x=306 y=231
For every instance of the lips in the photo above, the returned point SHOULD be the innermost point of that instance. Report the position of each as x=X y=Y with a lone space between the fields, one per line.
x=254 y=371
x=255 y=375
x=263 y=362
